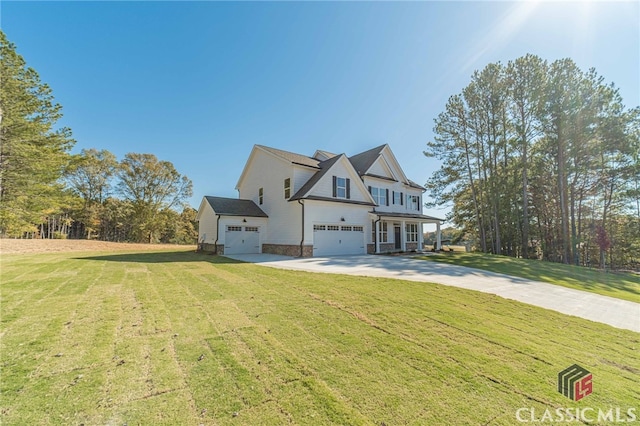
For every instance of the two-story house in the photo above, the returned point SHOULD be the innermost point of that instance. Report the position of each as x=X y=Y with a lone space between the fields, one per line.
x=326 y=204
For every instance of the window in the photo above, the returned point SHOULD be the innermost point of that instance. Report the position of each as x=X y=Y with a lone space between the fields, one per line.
x=234 y=228
x=412 y=232
x=346 y=228
x=319 y=228
x=333 y=228
x=383 y=232
x=260 y=195
x=379 y=195
x=358 y=228
x=287 y=188
x=397 y=197
x=341 y=187
x=251 y=228
x=413 y=202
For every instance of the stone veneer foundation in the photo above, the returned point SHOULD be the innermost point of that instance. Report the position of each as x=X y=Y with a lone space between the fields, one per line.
x=288 y=250
x=211 y=248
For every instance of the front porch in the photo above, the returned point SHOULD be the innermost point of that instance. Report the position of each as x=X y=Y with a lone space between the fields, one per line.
x=400 y=232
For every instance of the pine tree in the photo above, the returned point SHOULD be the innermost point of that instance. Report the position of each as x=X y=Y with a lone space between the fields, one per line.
x=33 y=151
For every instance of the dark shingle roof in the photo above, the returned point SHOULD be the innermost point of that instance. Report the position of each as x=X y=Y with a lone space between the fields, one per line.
x=324 y=167
x=234 y=207
x=361 y=162
x=416 y=185
x=292 y=157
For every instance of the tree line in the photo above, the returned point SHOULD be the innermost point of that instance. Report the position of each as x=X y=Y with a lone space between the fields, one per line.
x=48 y=192
x=541 y=160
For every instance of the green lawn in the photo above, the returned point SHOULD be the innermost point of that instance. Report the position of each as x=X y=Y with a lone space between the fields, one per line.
x=615 y=284
x=182 y=338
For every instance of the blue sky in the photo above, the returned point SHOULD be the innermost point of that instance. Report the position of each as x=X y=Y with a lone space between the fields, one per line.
x=199 y=83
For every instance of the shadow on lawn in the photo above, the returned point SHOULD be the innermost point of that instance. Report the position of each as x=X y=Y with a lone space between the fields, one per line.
x=161 y=257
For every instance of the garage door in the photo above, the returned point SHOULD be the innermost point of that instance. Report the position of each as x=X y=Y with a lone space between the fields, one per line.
x=242 y=239
x=337 y=239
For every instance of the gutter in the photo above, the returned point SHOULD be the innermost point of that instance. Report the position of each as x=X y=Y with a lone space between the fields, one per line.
x=302 y=240
x=376 y=243
x=217 y=233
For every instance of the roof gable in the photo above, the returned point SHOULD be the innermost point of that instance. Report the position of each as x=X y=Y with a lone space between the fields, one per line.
x=325 y=168
x=363 y=161
x=323 y=155
x=285 y=157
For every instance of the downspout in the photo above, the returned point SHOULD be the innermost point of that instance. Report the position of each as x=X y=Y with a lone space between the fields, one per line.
x=217 y=233
x=302 y=240
x=376 y=243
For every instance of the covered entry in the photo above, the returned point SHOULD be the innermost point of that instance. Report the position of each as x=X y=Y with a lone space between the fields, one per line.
x=332 y=239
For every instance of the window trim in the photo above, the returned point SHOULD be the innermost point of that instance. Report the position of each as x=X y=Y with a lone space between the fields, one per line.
x=411 y=199
x=287 y=188
x=382 y=194
x=411 y=230
x=383 y=232
x=340 y=187
x=346 y=188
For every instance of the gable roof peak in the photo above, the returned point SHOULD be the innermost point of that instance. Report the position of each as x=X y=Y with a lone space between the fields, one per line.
x=363 y=161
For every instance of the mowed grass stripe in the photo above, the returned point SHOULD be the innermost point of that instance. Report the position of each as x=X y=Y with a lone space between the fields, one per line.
x=183 y=338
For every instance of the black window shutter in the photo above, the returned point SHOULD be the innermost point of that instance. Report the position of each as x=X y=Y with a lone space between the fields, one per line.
x=387 y=196
x=370 y=190
x=401 y=198
x=334 y=187
x=348 y=188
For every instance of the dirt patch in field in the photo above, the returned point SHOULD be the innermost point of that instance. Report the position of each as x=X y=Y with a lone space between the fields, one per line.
x=10 y=246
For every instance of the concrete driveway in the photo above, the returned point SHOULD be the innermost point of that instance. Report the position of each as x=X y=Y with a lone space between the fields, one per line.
x=607 y=310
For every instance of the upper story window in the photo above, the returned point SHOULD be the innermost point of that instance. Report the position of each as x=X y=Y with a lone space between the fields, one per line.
x=380 y=195
x=287 y=188
x=413 y=202
x=260 y=195
x=341 y=187
x=397 y=198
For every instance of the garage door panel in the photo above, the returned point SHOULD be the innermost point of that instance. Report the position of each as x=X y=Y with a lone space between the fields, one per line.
x=338 y=239
x=242 y=240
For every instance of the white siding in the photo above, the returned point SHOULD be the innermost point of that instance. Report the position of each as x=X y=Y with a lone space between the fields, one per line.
x=207 y=223
x=300 y=176
x=381 y=169
x=269 y=172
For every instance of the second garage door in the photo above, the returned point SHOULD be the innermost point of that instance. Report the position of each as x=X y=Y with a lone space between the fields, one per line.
x=242 y=240
x=337 y=239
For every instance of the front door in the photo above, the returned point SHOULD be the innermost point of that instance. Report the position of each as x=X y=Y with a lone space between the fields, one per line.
x=397 y=236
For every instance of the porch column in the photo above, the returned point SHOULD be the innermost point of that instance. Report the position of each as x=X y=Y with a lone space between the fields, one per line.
x=438 y=237
x=403 y=236
x=420 y=236
x=377 y=239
